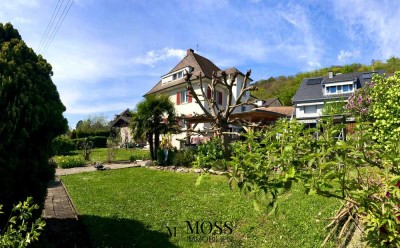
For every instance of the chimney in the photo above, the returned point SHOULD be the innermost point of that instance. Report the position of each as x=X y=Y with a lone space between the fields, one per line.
x=331 y=74
x=189 y=51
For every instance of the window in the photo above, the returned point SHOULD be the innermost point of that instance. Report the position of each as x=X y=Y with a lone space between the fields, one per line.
x=177 y=75
x=183 y=97
x=331 y=90
x=310 y=109
x=337 y=89
x=219 y=97
x=243 y=108
x=347 y=88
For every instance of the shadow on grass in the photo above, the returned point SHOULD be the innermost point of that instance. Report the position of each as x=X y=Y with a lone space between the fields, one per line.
x=119 y=232
x=63 y=233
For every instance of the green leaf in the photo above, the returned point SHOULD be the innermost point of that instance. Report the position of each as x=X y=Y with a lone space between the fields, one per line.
x=256 y=205
x=198 y=180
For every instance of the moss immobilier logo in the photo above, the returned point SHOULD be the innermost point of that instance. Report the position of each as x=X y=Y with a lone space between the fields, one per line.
x=204 y=231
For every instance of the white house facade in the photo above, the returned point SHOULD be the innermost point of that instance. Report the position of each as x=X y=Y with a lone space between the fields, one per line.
x=174 y=85
x=314 y=93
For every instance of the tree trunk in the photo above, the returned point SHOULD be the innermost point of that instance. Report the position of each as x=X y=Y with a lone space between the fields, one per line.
x=150 y=140
x=156 y=142
x=226 y=140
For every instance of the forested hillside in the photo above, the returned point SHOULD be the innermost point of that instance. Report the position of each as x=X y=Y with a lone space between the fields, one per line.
x=285 y=87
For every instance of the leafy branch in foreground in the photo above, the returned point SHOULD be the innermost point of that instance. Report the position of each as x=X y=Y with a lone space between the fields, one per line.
x=21 y=230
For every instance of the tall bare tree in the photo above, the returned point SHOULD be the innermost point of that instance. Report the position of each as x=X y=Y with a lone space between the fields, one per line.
x=219 y=115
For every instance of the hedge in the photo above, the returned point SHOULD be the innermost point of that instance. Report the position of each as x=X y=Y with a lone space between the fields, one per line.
x=76 y=134
x=98 y=141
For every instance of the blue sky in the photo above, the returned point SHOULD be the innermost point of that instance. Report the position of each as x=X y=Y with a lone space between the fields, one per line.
x=107 y=54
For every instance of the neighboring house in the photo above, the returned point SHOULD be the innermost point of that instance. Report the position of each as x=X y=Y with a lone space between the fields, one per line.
x=121 y=124
x=270 y=102
x=313 y=93
x=174 y=85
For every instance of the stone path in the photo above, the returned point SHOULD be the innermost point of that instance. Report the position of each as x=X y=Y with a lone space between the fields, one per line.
x=63 y=172
x=63 y=227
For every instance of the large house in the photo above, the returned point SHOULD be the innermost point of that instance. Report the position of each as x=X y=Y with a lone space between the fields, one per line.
x=174 y=85
x=313 y=93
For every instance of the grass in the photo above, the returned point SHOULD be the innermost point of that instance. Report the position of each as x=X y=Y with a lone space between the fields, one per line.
x=121 y=154
x=133 y=207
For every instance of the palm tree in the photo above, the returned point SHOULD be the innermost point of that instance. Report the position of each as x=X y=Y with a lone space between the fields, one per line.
x=154 y=115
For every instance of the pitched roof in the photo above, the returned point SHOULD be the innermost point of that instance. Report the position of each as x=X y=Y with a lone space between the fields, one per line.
x=312 y=88
x=283 y=110
x=198 y=63
x=269 y=101
x=124 y=117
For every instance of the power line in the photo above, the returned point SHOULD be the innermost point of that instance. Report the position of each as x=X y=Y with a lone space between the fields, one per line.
x=50 y=24
x=59 y=23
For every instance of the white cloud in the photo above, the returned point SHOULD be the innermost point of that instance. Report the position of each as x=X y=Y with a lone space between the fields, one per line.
x=312 y=65
x=345 y=56
x=373 y=23
x=22 y=20
x=303 y=43
x=99 y=107
x=155 y=56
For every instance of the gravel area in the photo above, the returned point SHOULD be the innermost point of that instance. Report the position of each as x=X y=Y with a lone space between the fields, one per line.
x=62 y=172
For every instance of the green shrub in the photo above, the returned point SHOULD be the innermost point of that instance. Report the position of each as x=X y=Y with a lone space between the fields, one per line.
x=161 y=157
x=185 y=157
x=31 y=116
x=132 y=158
x=98 y=141
x=76 y=134
x=211 y=155
x=63 y=145
x=69 y=161
x=21 y=229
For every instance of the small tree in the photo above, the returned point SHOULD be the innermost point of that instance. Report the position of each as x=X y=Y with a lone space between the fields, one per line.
x=219 y=116
x=154 y=115
x=86 y=145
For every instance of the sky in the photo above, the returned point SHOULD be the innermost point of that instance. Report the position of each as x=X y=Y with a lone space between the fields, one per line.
x=107 y=54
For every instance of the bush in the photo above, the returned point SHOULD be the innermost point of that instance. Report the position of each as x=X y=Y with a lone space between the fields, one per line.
x=19 y=232
x=211 y=155
x=98 y=141
x=132 y=158
x=69 y=161
x=185 y=157
x=76 y=134
x=161 y=157
x=63 y=145
x=30 y=118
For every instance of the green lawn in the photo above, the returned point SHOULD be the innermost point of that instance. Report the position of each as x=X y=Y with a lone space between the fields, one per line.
x=121 y=154
x=132 y=207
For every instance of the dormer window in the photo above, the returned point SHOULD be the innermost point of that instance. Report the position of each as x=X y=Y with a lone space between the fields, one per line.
x=339 y=89
x=177 y=75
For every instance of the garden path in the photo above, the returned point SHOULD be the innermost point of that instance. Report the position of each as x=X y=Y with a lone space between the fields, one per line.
x=63 y=172
x=63 y=227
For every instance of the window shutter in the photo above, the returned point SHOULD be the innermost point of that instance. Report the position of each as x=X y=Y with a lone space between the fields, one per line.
x=220 y=97
x=189 y=97
x=178 y=98
x=208 y=93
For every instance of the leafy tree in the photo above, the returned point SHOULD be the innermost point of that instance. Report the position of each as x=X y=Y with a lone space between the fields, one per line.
x=385 y=99
x=362 y=172
x=335 y=107
x=94 y=123
x=30 y=118
x=154 y=115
